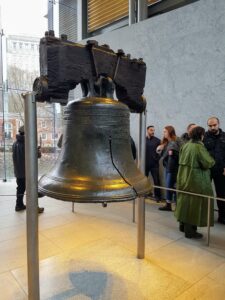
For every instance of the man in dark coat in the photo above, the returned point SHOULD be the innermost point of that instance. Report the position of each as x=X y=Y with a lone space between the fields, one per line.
x=152 y=159
x=214 y=142
x=18 y=150
x=185 y=137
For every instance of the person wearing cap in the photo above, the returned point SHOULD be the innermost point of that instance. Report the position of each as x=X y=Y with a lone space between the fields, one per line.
x=18 y=150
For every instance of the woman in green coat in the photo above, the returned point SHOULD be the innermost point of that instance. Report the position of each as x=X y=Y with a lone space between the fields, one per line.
x=194 y=176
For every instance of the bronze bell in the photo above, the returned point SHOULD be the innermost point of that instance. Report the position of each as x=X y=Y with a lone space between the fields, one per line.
x=95 y=163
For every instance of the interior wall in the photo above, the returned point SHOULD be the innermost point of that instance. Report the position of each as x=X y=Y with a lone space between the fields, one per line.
x=185 y=55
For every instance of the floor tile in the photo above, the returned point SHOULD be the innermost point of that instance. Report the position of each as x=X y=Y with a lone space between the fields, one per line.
x=218 y=275
x=205 y=289
x=103 y=271
x=11 y=232
x=187 y=259
x=13 y=252
x=10 y=289
x=92 y=254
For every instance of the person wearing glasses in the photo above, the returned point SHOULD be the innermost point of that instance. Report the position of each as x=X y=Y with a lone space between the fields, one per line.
x=214 y=141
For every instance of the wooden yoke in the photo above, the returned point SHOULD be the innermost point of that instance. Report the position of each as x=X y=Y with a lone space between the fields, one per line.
x=99 y=70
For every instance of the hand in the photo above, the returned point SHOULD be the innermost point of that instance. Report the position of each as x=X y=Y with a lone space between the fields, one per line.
x=170 y=152
x=159 y=149
x=224 y=171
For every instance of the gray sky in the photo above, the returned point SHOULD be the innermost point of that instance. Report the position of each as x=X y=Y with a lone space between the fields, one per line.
x=24 y=17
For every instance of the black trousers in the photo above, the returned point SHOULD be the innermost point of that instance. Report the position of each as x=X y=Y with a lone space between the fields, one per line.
x=155 y=176
x=20 y=190
x=219 y=181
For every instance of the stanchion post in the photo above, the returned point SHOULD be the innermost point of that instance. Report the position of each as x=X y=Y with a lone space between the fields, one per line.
x=133 y=205
x=208 y=220
x=31 y=196
x=141 y=200
x=73 y=206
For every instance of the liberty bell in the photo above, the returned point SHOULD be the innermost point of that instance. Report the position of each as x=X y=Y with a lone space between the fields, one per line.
x=96 y=163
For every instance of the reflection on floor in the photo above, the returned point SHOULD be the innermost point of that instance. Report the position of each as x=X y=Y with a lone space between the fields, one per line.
x=91 y=254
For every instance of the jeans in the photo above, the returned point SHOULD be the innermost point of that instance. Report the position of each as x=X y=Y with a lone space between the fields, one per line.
x=170 y=183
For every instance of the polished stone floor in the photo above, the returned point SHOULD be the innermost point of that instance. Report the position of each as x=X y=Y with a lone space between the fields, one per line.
x=91 y=254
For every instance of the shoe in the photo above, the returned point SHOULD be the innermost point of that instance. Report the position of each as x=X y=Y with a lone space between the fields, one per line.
x=40 y=210
x=40 y=195
x=166 y=207
x=195 y=235
x=20 y=208
x=181 y=227
x=221 y=220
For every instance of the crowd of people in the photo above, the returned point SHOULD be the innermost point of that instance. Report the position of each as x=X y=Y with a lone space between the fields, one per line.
x=191 y=164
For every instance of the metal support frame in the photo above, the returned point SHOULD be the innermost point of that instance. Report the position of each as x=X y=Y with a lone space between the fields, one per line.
x=141 y=200
x=31 y=196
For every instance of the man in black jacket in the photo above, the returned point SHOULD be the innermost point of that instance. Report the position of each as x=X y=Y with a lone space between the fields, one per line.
x=214 y=141
x=185 y=137
x=18 y=150
x=152 y=159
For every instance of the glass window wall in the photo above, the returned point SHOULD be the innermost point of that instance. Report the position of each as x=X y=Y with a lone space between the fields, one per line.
x=19 y=66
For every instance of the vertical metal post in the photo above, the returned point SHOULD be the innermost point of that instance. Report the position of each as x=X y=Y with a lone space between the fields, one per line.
x=82 y=21
x=3 y=132
x=54 y=132
x=133 y=210
x=51 y=14
x=132 y=12
x=31 y=196
x=142 y=11
x=141 y=200
x=2 y=82
x=208 y=220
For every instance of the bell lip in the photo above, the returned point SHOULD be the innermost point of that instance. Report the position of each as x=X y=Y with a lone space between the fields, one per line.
x=82 y=199
x=128 y=193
